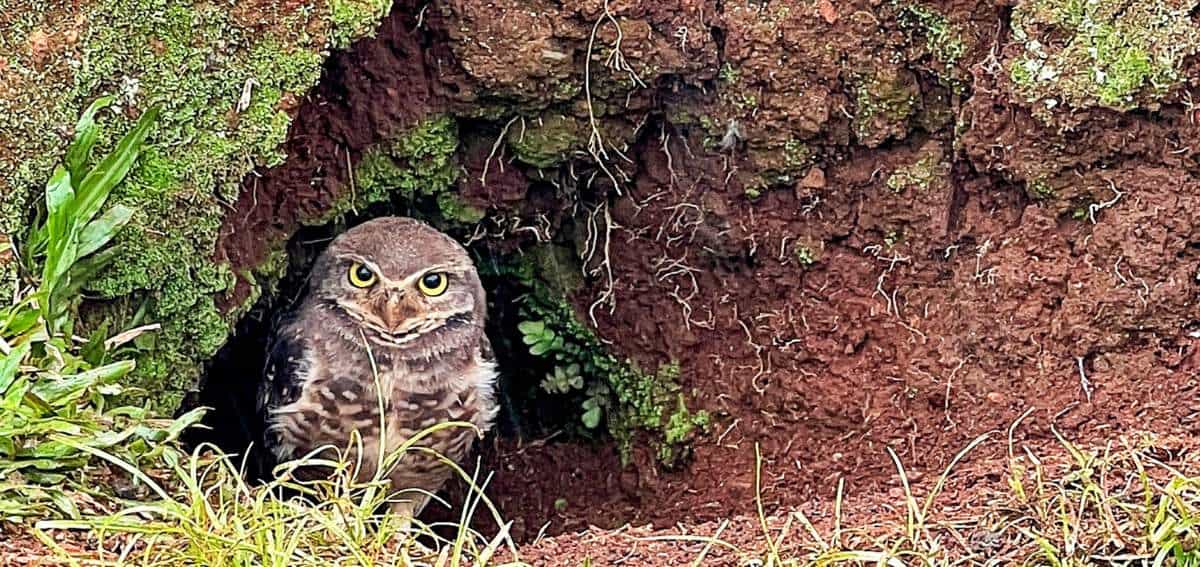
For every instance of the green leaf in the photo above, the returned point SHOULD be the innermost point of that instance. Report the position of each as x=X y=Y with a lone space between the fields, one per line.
x=531 y=327
x=13 y=396
x=36 y=402
x=100 y=181
x=51 y=450
x=10 y=364
x=591 y=417
x=60 y=223
x=63 y=503
x=20 y=322
x=185 y=422
x=93 y=351
x=86 y=132
x=539 y=349
x=98 y=232
x=69 y=389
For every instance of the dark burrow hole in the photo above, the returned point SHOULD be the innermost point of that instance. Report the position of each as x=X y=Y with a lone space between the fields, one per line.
x=232 y=377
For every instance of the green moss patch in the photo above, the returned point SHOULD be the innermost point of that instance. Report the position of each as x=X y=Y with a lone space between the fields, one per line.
x=227 y=80
x=547 y=141
x=918 y=175
x=885 y=102
x=419 y=165
x=355 y=18
x=776 y=165
x=1040 y=189
x=1116 y=54
x=942 y=39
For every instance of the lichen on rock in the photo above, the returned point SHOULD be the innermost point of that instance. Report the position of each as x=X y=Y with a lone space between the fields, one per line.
x=1084 y=53
x=886 y=100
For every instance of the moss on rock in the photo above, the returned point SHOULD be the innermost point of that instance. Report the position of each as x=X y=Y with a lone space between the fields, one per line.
x=355 y=18
x=920 y=174
x=943 y=40
x=227 y=79
x=775 y=165
x=1115 y=54
x=547 y=141
x=421 y=163
x=885 y=100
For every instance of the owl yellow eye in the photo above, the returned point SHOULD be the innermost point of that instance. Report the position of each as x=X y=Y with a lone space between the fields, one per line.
x=433 y=284
x=361 y=276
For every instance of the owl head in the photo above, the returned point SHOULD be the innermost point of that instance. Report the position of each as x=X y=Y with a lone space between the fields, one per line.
x=402 y=285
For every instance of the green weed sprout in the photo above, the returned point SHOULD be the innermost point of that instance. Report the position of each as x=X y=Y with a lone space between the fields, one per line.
x=69 y=241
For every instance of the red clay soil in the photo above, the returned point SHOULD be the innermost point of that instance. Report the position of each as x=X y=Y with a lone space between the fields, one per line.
x=382 y=87
x=933 y=311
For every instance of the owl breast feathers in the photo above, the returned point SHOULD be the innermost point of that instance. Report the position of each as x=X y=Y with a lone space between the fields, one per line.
x=389 y=343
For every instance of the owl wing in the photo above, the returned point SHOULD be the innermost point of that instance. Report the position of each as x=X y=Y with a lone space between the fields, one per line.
x=486 y=354
x=282 y=375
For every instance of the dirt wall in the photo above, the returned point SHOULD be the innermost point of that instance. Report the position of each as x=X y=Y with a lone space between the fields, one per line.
x=853 y=225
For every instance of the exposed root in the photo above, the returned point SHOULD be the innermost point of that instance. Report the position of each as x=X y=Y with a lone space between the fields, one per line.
x=1096 y=207
x=616 y=60
x=666 y=149
x=604 y=267
x=876 y=250
x=1084 y=383
x=496 y=149
x=504 y=227
x=1143 y=291
x=986 y=276
x=678 y=224
x=764 y=361
x=667 y=268
x=949 y=384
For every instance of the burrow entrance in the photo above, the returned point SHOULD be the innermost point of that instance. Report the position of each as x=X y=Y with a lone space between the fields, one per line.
x=529 y=412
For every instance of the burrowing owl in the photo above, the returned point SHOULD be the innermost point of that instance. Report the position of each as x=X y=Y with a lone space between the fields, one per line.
x=393 y=319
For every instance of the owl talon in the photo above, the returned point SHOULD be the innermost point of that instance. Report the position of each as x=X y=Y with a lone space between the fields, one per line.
x=404 y=511
x=407 y=509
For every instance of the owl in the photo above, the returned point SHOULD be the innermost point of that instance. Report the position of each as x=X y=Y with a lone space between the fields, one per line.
x=393 y=322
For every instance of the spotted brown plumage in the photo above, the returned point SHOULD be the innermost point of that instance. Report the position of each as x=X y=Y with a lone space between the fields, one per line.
x=387 y=342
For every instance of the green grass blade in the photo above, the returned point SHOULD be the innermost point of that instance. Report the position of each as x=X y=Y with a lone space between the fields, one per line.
x=68 y=389
x=98 y=232
x=86 y=132
x=60 y=200
x=9 y=365
x=95 y=188
x=19 y=320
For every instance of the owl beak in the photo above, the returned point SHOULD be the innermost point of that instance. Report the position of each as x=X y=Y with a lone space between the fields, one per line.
x=394 y=311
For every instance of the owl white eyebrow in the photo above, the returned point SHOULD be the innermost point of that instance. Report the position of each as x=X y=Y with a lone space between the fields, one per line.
x=369 y=264
x=446 y=268
x=442 y=268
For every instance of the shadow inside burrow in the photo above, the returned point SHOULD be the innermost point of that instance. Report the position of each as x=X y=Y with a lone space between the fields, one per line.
x=234 y=422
